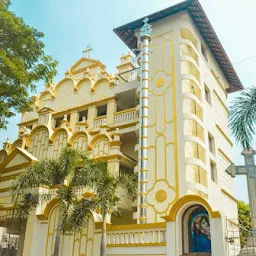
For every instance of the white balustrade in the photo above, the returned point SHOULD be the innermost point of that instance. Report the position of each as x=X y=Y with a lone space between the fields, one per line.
x=137 y=236
x=125 y=116
x=99 y=121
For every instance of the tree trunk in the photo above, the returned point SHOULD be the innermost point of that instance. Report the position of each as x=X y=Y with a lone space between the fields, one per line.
x=103 y=236
x=57 y=242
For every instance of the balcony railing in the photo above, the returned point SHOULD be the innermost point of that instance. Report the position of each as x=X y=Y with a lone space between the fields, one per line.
x=120 y=118
x=136 y=235
x=98 y=121
x=129 y=75
x=125 y=116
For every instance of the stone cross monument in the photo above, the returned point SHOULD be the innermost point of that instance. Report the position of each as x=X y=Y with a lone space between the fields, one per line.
x=249 y=169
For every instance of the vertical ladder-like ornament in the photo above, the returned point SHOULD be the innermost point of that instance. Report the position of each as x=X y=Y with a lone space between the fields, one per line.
x=145 y=36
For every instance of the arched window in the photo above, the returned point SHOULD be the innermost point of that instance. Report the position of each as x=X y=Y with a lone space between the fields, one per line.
x=83 y=241
x=59 y=144
x=80 y=143
x=101 y=148
x=39 y=144
x=52 y=230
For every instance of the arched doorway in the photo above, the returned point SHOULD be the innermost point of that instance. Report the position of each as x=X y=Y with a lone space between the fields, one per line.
x=196 y=230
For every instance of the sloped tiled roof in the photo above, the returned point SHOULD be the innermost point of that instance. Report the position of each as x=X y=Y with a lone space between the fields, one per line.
x=195 y=10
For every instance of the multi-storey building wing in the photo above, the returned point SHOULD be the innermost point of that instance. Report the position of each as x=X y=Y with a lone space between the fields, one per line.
x=189 y=195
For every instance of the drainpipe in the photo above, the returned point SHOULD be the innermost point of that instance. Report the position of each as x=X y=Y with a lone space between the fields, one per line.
x=145 y=36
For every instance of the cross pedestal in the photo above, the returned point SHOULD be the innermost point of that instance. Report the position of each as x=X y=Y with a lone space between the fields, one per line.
x=250 y=249
x=249 y=169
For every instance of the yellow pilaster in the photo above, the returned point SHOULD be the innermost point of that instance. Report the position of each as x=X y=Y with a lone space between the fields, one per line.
x=114 y=165
x=92 y=113
x=111 y=109
x=74 y=117
x=29 y=234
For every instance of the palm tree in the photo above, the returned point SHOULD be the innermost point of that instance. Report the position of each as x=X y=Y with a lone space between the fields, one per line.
x=107 y=197
x=65 y=175
x=242 y=117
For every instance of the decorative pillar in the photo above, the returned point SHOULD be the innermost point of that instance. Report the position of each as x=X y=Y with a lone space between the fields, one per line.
x=111 y=110
x=145 y=36
x=45 y=117
x=81 y=126
x=171 y=244
x=23 y=134
x=92 y=113
x=74 y=118
x=7 y=145
x=30 y=234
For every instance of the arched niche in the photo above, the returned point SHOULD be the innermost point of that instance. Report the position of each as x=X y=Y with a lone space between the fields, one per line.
x=180 y=216
x=84 y=91
x=64 y=94
x=196 y=230
x=101 y=89
x=43 y=99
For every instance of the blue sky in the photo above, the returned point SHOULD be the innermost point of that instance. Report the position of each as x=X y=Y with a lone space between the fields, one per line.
x=70 y=25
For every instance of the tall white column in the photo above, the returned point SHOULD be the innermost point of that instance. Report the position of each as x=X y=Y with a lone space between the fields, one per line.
x=145 y=36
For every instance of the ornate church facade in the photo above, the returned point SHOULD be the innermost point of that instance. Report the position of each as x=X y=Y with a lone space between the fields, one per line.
x=189 y=196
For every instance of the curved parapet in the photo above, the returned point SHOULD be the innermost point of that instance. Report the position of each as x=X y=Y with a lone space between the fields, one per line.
x=187 y=201
x=187 y=34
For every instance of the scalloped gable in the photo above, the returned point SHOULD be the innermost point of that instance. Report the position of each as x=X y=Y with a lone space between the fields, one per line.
x=85 y=63
x=18 y=158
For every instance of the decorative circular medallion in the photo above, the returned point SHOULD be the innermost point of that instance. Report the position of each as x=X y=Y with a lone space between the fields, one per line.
x=161 y=196
x=160 y=82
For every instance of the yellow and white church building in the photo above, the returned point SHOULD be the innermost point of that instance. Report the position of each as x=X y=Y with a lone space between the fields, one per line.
x=165 y=108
